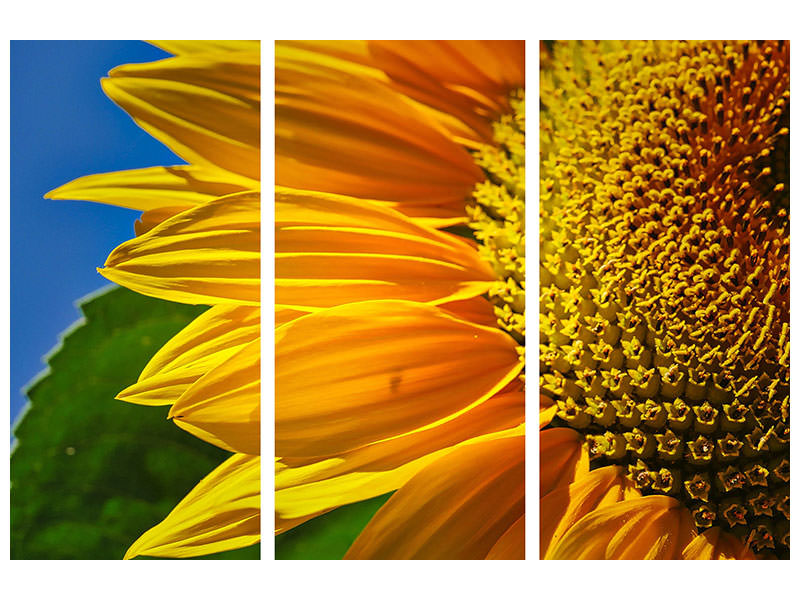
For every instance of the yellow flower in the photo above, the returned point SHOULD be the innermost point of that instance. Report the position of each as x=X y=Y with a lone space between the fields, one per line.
x=197 y=242
x=664 y=300
x=399 y=345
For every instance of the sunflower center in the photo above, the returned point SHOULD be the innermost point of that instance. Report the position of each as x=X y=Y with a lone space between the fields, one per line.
x=497 y=216
x=664 y=273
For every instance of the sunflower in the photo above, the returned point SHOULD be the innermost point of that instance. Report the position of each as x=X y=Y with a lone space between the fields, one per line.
x=400 y=278
x=197 y=242
x=664 y=300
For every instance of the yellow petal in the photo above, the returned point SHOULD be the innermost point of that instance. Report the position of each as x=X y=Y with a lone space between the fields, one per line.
x=715 y=544
x=547 y=410
x=652 y=527
x=334 y=250
x=358 y=373
x=566 y=505
x=207 y=46
x=208 y=341
x=160 y=390
x=562 y=458
x=153 y=187
x=205 y=255
x=457 y=508
x=224 y=406
x=341 y=133
x=430 y=215
x=206 y=108
x=307 y=486
x=351 y=56
x=511 y=546
x=221 y=513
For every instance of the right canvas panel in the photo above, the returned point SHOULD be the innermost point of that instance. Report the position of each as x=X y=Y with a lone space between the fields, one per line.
x=664 y=300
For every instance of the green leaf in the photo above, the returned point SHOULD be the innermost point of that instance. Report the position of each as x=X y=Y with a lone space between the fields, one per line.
x=89 y=473
x=327 y=536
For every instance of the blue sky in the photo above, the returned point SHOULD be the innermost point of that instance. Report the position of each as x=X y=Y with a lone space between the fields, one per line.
x=62 y=127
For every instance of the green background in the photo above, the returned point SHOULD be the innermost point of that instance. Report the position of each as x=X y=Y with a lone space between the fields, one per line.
x=89 y=473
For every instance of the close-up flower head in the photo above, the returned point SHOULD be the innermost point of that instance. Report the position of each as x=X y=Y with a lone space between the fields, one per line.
x=197 y=242
x=400 y=296
x=664 y=300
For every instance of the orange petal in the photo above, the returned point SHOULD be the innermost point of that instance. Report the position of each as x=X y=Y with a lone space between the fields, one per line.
x=207 y=254
x=284 y=315
x=468 y=80
x=355 y=374
x=465 y=98
x=224 y=406
x=562 y=458
x=205 y=107
x=208 y=341
x=566 y=505
x=478 y=310
x=511 y=546
x=308 y=281
x=306 y=486
x=715 y=544
x=334 y=250
x=457 y=508
x=652 y=527
x=352 y=135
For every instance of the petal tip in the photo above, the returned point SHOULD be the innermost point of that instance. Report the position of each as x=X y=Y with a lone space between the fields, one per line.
x=60 y=193
x=133 y=551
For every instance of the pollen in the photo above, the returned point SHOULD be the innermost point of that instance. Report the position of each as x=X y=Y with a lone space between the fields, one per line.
x=496 y=214
x=664 y=270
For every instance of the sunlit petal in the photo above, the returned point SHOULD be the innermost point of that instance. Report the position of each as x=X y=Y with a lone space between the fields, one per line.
x=306 y=486
x=566 y=505
x=207 y=46
x=204 y=107
x=458 y=507
x=653 y=527
x=153 y=187
x=563 y=458
x=377 y=369
x=339 y=133
x=716 y=544
x=221 y=513
x=207 y=254
x=224 y=406
x=333 y=250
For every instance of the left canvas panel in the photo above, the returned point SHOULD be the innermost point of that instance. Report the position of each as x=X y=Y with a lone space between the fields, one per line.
x=135 y=299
